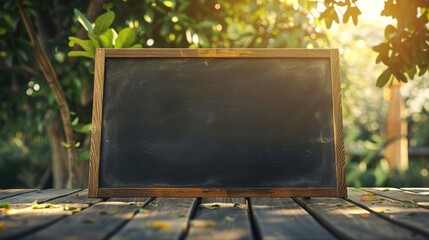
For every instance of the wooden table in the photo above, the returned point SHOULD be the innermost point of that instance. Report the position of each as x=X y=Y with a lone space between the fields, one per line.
x=376 y=213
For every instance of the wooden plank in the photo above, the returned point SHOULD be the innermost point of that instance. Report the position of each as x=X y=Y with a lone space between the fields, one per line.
x=220 y=52
x=23 y=219
x=340 y=164
x=397 y=194
x=221 y=218
x=424 y=191
x=407 y=215
x=41 y=196
x=97 y=109
x=164 y=218
x=6 y=193
x=96 y=222
x=348 y=221
x=216 y=192
x=282 y=218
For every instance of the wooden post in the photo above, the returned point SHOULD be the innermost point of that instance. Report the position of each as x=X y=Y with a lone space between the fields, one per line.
x=396 y=151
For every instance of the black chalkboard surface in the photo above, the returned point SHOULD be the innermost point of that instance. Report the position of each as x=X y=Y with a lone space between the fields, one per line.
x=225 y=122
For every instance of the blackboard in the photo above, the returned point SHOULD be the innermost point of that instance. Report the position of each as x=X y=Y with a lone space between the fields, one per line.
x=216 y=122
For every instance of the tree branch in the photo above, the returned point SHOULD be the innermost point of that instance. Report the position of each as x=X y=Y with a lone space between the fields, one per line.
x=54 y=84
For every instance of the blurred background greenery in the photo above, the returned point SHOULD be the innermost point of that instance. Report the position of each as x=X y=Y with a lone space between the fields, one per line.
x=32 y=147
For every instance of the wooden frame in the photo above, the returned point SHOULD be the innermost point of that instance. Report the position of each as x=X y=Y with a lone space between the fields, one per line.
x=101 y=54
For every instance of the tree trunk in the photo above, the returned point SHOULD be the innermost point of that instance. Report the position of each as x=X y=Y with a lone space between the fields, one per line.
x=396 y=151
x=56 y=88
x=58 y=152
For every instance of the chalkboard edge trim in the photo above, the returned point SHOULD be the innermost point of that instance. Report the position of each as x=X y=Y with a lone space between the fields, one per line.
x=217 y=192
x=217 y=52
x=97 y=111
x=338 y=124
x=102 y=53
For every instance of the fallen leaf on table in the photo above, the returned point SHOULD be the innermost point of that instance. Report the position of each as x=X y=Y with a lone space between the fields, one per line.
x=158 y=225
x=229 y=219
x=409 y=204
x=240 y=206
x=2 y=226
x=88 y=220
x=35 y=205
x=386 y=190
x=71 y=208
x=5 y=205
x=211 y=206
x=104 y=212
x=367 y=198
x=144 y=211
x=153 y=204
x=203 y=223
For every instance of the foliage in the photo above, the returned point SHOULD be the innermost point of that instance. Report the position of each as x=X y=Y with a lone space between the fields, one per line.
x=405 y=49
x=101 y=36
x=365 y=110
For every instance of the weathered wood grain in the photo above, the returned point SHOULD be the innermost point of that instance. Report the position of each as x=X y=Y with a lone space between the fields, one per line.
x=421 y=199
x=6 y=193
x=164 y=218
x=221 y=218
x=407 y=214
x=217 y=192
x=220 y=52
x=97 y=110
x=22 y=218
x=349 y=221
x=80 y=197
x=340 y=164
x=41 y=196
x=283 y=218
x=424 y=191
x=96 y=222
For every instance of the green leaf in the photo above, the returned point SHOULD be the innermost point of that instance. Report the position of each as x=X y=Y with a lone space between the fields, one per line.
x=165 y=29
x=83 y=156
x=77 y=144
x=83 y=21
x=137 y=45
x=103 y=22
x=183 y=5
x=149 y=16
x=3 y=31
x=75 y=121
x=107 y=38
x=409 y=204
x=390 y=32
x=80 y=54
x=83 y=128
x=206 y=24
x=86 y=45
x=65 y=144
x=384 y=78
x=94 y=40
x=169 y=4
x=5 y=205
x=126 y=38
